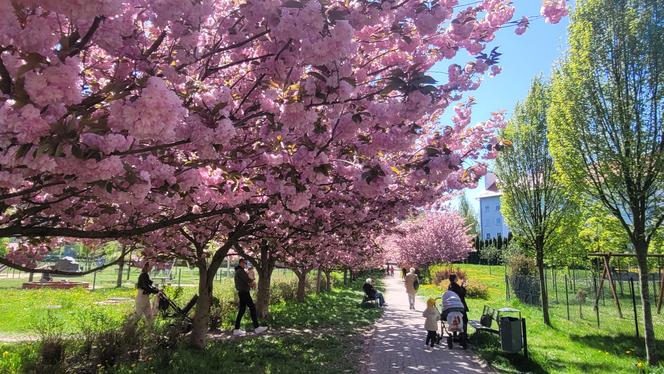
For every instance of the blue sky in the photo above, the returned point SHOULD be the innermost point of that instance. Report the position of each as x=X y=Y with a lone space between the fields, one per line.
x=524 y=57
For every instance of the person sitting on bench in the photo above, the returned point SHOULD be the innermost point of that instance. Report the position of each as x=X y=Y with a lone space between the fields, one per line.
x=372 y=293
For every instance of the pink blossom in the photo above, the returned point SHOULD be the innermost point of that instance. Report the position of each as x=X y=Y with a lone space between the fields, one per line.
x=522 y=26
x=553 y=10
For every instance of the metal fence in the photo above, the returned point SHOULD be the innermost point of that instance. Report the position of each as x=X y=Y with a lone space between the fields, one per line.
x=580 y=295
x=181 y=276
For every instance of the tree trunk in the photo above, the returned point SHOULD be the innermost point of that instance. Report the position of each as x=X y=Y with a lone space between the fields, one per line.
x=328 y=281
x=641 y=247
x=118 y=282
x=318 y=278
x=543 y=292
x=345 y=277
x=263 y=292
x=202 y=315
x=301 y=284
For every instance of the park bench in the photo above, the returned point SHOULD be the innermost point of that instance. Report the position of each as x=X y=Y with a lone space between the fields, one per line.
x=369 y=301
x=486 y=321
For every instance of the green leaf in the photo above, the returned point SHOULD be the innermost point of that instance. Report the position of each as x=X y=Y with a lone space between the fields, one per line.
x=23 y=150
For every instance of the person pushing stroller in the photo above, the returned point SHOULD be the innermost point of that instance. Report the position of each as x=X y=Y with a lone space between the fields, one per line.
x=454 y=314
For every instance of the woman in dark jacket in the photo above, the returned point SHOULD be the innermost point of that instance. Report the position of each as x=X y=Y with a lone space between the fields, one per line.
x=460 y=290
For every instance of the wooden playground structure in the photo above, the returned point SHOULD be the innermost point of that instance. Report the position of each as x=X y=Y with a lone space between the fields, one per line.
x=607 y=274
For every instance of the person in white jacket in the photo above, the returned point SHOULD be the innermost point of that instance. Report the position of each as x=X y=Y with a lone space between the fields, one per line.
x=431 y=323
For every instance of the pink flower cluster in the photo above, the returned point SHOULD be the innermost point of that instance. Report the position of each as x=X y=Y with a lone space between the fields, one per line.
x=430 y=238
x=553 y=10
x=155 y=114
x=55 y=84
x=310 y=125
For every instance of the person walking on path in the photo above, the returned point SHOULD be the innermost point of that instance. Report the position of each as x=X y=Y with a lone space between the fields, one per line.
x=410 y=279
x=431 y=323
x=395 y=344
x=243 y=286
x=145 y=290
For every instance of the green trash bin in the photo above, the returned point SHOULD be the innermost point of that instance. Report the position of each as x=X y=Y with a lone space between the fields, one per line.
x=510 y=334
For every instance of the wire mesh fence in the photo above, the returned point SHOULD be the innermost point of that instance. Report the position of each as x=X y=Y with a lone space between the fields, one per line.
x=110 y=277
x=581 y=295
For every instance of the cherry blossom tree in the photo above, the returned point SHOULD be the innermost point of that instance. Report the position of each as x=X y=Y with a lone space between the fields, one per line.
x=429 y=238
x=226 y=124
x=111 y=109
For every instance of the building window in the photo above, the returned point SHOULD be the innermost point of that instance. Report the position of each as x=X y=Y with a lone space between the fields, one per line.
x=497 y=220
x=498 y=208
x=488 y=236
x=486 y=207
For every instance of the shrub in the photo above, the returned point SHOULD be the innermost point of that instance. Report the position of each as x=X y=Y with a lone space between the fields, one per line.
x=477 y=290
x=51 y=353
x=112 y=346
x=444 y=274
x=216 y=314
x=283 y=291
x=51 y=343
x=474 y=289
x=523 y=279
x=91 y=322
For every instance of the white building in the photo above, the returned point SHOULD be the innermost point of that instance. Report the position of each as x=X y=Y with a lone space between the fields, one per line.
x=492 y=224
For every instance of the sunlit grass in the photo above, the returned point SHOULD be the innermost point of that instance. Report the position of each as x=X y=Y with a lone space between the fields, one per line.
x=323 y=334
x=574 y=346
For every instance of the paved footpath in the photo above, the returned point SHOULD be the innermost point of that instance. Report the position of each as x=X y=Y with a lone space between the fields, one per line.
x=397 y=343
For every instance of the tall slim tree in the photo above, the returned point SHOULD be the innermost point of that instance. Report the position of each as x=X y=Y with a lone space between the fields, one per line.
x=469 y=215
x=606 y=120
x=534 y=204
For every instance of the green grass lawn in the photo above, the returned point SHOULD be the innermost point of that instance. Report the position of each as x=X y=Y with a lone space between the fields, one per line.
x=23 y=311
x=574 y=346
x=322 y=334
x=293 y=352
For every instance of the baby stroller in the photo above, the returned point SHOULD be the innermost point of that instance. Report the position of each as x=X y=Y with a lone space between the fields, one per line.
x=451 y=320
x=169 y=309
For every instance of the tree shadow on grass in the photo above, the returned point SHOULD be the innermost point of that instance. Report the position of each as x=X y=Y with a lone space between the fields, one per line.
x=619 y=345
x=314 y=352
x=339 y=308
x=488 y=345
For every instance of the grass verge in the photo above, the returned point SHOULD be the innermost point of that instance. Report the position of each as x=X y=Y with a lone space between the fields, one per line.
x=568 y=346
x=324 y=334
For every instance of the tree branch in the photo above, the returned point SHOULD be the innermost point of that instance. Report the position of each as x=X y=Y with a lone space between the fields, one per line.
x=12 y=265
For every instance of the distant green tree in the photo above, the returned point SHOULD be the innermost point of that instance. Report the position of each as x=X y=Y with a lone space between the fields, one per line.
x=534 y=204
x=491 y=254
x=607 y=135
x=566 y=248
x=469 y=215
x=601 y=231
